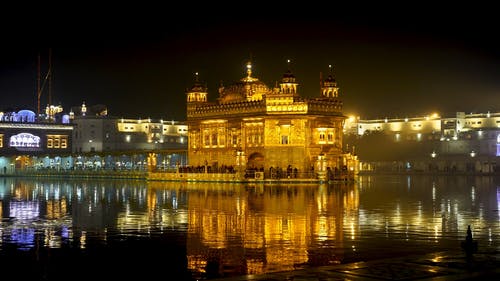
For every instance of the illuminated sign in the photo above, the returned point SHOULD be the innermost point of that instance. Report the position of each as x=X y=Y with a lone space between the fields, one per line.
x=24 y=140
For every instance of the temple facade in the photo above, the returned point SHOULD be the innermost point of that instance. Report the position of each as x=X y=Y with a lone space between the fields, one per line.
x=253 y=126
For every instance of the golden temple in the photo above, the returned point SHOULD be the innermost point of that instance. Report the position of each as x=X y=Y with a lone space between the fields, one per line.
x=251 y=126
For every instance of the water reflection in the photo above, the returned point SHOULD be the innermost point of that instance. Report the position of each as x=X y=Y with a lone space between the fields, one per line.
x=231 y=229
x=267 y=228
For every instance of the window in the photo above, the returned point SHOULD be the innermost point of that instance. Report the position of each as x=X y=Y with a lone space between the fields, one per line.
x=322 y=136
x=64 y=143
x=57 y=141
x=284 y=139
x=214 y=139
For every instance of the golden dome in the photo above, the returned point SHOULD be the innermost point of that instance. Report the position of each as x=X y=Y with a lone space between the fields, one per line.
x=248 y=88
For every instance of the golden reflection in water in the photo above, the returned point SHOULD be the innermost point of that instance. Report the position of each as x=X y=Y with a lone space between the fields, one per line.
x=21 y=191
x=263 y=228
x=52 y=240
x=83 y=240
x=56 y=208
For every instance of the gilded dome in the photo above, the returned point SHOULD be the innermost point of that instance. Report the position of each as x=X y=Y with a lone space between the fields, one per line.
x=230 y=94
x=247 y=89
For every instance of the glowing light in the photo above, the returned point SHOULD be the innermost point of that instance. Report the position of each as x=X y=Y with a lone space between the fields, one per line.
x=433 y=154
x=24 y=140
x=472 y=153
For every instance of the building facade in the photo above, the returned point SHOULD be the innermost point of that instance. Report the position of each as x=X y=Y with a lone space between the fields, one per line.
x=24 y=138
x=459 y=143
x=253 y=126
x=88 y=139
x=120 y=143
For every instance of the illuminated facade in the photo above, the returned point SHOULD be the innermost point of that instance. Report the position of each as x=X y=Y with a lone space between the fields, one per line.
x=461 y=143
x=23 y=137
x=87 y=138
x=130 y=143
x=253 y=126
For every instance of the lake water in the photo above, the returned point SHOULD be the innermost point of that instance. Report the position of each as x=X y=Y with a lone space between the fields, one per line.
x=114 y=229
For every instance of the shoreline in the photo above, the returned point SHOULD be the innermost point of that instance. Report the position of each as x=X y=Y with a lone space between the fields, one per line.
x=171 y=177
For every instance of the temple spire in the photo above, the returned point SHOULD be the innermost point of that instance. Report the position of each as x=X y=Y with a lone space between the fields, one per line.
x=329 y=88
x=249 y=69
x=288 y=83
x=197 y=92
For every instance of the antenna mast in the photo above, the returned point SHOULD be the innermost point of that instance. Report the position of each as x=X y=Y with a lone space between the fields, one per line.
x=38 y=90
x=40 y=87
x=49 y=76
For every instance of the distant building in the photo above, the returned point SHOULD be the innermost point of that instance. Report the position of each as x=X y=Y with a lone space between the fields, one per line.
x=253 y=126
x=87 y=138
x=23 y=136
x=117 y=141
x=461 y=143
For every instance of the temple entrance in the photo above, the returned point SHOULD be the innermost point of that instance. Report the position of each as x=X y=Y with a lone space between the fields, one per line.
x=22 y=162
x=256 y=160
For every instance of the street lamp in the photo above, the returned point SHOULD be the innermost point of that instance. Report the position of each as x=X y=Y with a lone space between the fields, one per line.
x=472 y=154
x=433 y=154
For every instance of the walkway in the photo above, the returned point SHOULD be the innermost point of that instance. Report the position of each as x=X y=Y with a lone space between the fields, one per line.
x=435 y=266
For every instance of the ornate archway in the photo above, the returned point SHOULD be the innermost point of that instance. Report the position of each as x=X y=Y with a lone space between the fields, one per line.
x=255 y=160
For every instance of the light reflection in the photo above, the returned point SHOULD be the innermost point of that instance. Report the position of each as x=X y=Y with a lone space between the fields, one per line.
x=23 y=237
x=490 y=238
x=433 y=191
x=255 y=225
x=24 y=210
x=83 y=240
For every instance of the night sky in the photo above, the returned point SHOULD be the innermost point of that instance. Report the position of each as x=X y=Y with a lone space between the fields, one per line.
x=387 y=64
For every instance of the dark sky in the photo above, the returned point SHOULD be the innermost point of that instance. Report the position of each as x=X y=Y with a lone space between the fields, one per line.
x=387 y=63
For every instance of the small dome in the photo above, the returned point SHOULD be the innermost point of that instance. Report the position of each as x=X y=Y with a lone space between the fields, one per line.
x=288 y=77
x=197 y=87
x=231 y=96
x=330 y=81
